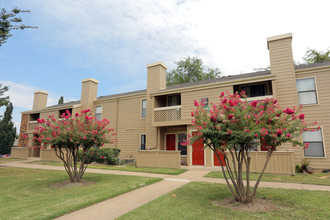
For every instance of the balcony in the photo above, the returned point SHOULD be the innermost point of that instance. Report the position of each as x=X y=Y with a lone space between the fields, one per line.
x=164 y=116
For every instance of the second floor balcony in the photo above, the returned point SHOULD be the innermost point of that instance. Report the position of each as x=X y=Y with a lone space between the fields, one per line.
x=170 y=115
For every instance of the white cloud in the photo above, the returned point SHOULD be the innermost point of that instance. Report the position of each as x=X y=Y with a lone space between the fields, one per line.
x=226 y=34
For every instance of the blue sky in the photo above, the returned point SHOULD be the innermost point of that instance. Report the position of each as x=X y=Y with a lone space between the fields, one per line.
x=113 y=41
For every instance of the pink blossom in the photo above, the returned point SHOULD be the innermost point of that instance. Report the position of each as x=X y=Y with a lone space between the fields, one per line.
x=196 y=103
x=256 y=135
x=279 y=132
x=192 y=114
x=306 y=146
x=301 y=116
x=230 y=116
x=289 y=111
x=247 y=130
x=254 y=103
x=288 y=135
x=222 y=94
x=231 y=103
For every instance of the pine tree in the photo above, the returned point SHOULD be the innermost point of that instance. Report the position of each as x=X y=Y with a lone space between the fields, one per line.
x=61 y=100
x=7 y=131
x=3 y=100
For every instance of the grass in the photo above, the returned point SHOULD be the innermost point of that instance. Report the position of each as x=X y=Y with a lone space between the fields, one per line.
x=30 y=194
x=9 y=159
x=131 y=168
x=196 y=201
x=316 y=178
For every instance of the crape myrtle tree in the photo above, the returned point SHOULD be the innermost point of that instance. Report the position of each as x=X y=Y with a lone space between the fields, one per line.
x=234 y=127
x=70 y=133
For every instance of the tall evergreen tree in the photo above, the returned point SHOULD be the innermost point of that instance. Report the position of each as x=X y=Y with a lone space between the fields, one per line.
x=61 y=100
x=7 y=131
x=3 y=100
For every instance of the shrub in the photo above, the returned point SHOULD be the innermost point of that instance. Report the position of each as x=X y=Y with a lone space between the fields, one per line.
x=101 y=155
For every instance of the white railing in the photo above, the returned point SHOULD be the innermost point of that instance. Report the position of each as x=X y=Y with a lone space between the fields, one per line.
x=170 y=113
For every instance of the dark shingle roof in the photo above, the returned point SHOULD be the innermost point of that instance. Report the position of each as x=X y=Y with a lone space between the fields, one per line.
x=221 y=79
x=305 y=66
x=64 y=104
x=203 y=82
x=122 y=94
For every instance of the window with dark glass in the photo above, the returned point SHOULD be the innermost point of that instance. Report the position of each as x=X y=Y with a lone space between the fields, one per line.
x=181 y=139
x=64 y=111
x=315 y=141
x=34 y=117
x=174 y=100
x=144 y=108
x=143 y=142
x=255 y=89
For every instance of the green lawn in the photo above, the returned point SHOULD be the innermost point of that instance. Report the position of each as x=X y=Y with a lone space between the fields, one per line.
x=31 y=194
x=131 y=168
x=316 y=178
x=197 y=200
x=9 y=159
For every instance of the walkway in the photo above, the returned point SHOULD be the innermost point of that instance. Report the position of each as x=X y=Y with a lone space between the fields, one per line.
x=117 y=206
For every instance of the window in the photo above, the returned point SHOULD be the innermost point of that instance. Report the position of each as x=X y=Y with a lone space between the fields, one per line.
x=174 y=100
x=181 y=139
x=64 y=111
x=143 y=142
x=98 y=112
x=34 y=117
x=306 y=91
x=314 y=138
x=255 y=89
x=144 y=108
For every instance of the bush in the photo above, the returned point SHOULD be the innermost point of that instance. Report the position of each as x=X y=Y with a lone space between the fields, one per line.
x=298 y=169
x=101 y=155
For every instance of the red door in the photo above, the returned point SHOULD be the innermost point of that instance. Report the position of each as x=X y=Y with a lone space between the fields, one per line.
x=198 y=152
x=170 y=142
x=216 y=159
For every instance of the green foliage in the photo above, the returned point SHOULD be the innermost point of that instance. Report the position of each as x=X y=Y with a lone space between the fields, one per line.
x=10 y=21
x=233 y=128
x=314 y=56
x=69 y=134
x=101 y=155
x=191 y=69
x=3 y=100
x=298 y=169
x=61 y=100
x=7 y=131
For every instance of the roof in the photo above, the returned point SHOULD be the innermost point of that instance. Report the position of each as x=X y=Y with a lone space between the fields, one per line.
x=191 y=84
x=312 y=65
x=221 y=79
x=64 y=104
x=122 y=94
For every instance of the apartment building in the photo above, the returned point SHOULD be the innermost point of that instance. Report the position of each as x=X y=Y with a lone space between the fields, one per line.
x=158 y=118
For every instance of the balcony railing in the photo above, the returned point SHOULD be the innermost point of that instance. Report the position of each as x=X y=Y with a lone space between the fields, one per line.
x=166 y=114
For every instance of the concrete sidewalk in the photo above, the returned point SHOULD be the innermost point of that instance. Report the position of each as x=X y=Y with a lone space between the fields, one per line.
x=117 y=206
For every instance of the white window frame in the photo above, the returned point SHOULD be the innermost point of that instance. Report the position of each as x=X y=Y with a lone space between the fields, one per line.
x=323 y=145
x=316 y=94
x=141 y=114
x=99 y=113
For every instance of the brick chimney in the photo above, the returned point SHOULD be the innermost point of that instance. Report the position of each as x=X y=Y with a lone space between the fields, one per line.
x=156 y=80
x=39 y=100
x=282 y=65
x=88 y=93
